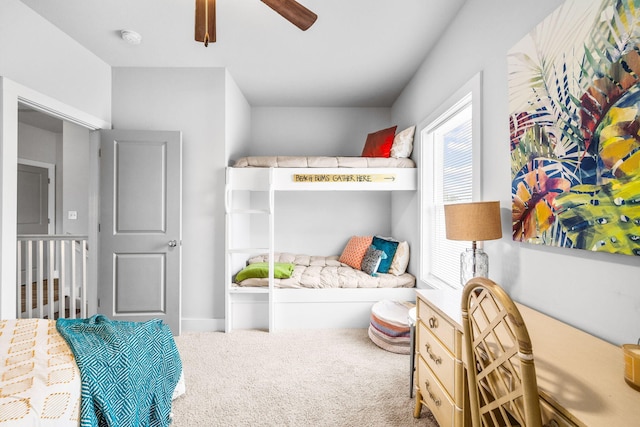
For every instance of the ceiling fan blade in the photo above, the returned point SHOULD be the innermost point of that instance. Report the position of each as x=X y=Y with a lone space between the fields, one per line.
x=293 y=12
x=205 y=23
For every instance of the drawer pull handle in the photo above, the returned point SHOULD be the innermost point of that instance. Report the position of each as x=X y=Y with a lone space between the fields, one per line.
x=431 y=395
x=433 y=322
x=432 y=356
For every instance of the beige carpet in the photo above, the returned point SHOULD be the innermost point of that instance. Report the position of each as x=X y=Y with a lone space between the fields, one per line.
x=334 y=377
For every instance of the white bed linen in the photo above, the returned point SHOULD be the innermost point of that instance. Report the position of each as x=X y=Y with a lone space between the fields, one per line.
x=323 y=162
x=39 y=379
x=326 y=272
x=40 y=382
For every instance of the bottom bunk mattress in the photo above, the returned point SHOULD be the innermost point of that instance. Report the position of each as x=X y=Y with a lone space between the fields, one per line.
x=43 y=383
x=306 y=271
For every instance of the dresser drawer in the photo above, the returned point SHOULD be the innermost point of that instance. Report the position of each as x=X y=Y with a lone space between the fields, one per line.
x=433 y=395
x=437 y=357
x=438 y=325
x=552 y=418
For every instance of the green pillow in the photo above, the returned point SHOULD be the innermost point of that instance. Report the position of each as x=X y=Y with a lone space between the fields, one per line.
x=282 y=270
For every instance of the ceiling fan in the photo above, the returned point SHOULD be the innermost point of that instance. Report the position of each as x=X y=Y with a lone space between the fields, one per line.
x=290 y=10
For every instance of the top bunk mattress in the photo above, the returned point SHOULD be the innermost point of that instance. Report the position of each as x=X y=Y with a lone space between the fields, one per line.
x=323 y=162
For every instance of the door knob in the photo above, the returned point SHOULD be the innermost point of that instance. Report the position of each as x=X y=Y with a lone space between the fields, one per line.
x=173 y=243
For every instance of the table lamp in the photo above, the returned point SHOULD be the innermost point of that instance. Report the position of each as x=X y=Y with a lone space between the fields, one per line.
x=476 y=221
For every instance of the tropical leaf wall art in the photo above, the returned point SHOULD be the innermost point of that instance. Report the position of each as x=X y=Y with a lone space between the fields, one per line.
x=574 y=116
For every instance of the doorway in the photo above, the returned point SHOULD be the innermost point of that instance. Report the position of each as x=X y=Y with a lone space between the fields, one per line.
x=12 y=97
x=52 y=254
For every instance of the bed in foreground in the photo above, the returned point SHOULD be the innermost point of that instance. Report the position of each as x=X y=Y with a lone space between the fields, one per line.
x=87 y=372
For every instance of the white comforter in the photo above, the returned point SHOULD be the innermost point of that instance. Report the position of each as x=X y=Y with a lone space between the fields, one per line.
x=39 y=379
x=323 y=162
x=327 y=272
x=40 y=382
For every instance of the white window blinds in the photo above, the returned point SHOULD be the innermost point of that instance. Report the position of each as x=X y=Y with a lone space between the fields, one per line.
x=449 y=146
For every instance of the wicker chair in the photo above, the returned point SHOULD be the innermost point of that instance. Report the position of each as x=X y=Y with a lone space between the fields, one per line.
x=502 y=388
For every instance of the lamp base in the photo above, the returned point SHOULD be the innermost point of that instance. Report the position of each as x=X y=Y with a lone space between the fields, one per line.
x=473 y=263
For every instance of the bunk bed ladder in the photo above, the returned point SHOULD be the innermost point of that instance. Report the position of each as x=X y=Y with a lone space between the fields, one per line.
x=227 y=252
x=271 y=297
x=238 y=210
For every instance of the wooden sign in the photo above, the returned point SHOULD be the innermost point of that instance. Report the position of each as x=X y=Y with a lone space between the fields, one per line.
x=344 y=177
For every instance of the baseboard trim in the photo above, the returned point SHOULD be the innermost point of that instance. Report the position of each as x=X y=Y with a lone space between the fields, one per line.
x=202 y=325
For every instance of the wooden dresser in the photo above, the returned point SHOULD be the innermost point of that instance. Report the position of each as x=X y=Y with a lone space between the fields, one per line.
x=440 y=381
x=580 y=376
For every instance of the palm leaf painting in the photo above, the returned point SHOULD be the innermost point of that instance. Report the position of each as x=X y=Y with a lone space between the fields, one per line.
x=574 y=117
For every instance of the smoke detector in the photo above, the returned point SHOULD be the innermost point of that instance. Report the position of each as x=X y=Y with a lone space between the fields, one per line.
x=130 y=36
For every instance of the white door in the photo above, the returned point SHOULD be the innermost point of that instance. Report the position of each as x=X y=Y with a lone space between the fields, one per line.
x=140 y=226
x=33 y=199
x=33 y=212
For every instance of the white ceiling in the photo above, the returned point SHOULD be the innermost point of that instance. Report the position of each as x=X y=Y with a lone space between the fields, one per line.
x=358 y=53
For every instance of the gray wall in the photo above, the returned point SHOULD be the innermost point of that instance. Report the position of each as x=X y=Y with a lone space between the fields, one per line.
x=43 y=146
x=597 y=292
x=69 y=152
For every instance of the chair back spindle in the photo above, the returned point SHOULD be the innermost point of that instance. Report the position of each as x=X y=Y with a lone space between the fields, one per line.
x=503 y=390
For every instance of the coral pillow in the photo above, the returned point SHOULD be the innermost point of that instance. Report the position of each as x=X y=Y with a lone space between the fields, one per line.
x=354 y=251
x=379 y=143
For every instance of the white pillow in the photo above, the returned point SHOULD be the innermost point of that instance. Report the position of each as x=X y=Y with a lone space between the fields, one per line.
x=403 y=143
x=400 y=259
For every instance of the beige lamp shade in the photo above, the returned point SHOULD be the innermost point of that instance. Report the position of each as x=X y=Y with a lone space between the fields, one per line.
x=476 y=221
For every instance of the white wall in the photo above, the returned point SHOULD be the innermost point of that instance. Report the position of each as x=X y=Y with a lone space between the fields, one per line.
x=34 y=53
x=237 y=120
x=317 y=223
x=596 y=292
x=58 y=72
x=190 y=100
x=37 y=144
x=75 y=179
x=314 y=131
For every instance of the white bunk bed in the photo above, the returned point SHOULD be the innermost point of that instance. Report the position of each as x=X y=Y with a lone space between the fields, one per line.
x=303 y=308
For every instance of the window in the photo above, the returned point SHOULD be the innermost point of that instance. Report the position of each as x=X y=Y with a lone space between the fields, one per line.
x=450 y=152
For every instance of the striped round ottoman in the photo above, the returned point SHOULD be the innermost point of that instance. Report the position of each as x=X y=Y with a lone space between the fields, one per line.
x=389 y=328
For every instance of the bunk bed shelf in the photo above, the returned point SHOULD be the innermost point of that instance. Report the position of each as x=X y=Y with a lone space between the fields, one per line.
x=331 y=308
x=322 y=179
x=248 y=290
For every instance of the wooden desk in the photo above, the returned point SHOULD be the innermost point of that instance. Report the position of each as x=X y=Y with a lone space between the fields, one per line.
x=579 y=376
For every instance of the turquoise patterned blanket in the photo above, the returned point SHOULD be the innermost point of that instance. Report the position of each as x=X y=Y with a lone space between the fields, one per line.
x=128 y=370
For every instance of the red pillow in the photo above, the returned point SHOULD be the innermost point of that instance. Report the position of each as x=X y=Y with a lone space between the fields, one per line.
x=379 y=143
